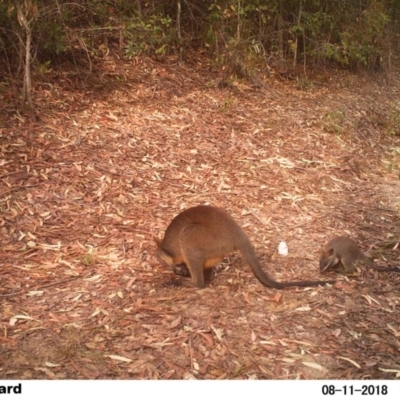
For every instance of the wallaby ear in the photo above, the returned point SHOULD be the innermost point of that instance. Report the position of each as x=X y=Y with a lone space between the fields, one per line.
x=330 y=252
x=157 y=240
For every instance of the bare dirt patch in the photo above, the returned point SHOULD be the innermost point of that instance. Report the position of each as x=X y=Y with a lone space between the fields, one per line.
x=84 y=190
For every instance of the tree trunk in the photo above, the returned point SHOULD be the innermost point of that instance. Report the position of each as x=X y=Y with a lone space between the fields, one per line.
x=27 y=13
x=178 y=30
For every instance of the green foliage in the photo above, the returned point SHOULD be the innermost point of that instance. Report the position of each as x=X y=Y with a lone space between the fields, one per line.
x=350 y=34
x=360 y=41
x=333 y=122
x=386 y=118
x=304 y=84
x=44 y=68
x=153 y=36
x=54 y=39
x=349 y=37
x=392 y=163
x=240 y=35
x=233 y=38
x=392 y=120
x=227 y=105
x=88 y=259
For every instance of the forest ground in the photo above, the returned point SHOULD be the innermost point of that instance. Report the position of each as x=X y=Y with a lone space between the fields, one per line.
x=104 y=169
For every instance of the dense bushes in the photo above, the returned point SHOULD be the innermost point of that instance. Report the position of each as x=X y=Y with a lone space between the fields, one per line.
x=238 y=34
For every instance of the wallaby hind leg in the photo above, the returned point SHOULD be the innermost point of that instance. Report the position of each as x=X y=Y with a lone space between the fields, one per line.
x=209 y=274
x=194 y=262
x=183 y=270
x=193 y=255
x=197 y=274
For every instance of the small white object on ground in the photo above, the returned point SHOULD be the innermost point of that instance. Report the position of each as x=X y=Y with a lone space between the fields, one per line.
x=283 y=249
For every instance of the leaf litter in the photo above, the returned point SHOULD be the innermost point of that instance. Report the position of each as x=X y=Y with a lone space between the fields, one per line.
x=84 y=190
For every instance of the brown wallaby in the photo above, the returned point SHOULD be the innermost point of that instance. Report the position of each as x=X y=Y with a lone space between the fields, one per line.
x=343 y=254
x=202 y=236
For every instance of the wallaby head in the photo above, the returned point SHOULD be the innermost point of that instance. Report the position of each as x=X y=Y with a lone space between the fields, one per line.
x=202 y=236
x=162 y=255
x=328 y=259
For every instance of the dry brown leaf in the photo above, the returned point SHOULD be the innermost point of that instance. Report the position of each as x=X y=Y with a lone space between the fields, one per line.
x=118 y=358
